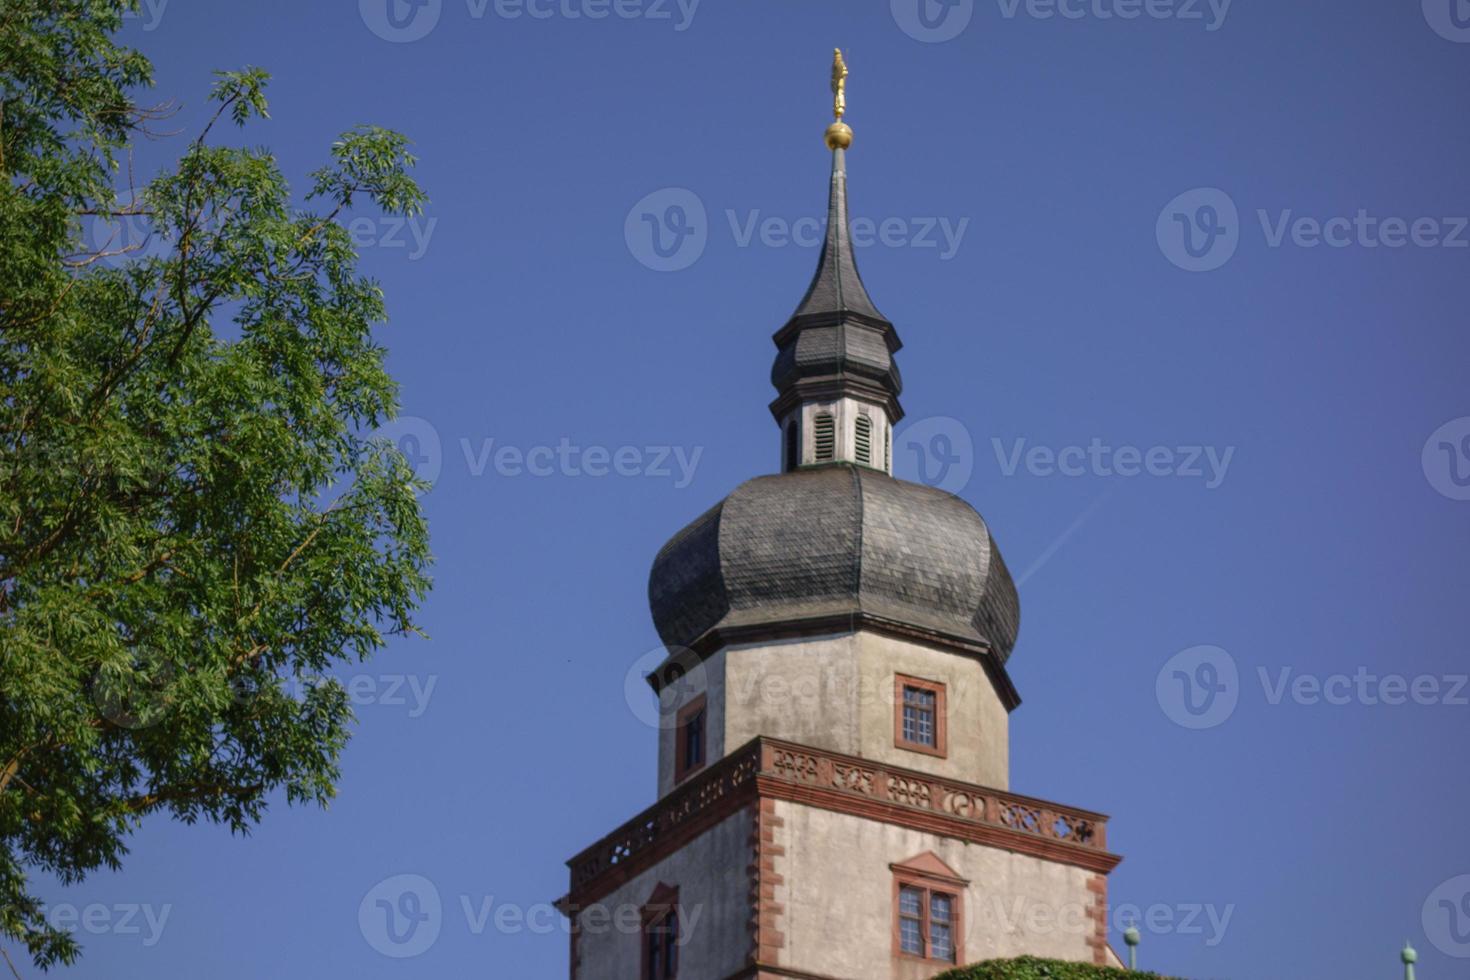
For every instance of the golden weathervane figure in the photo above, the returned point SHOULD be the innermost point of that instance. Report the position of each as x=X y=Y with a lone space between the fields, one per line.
x=839 y=134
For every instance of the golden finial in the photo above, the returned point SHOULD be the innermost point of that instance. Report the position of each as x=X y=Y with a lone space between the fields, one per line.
x=839 y=134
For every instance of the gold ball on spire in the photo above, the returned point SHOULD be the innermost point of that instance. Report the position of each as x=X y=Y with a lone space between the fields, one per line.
x=839 y=136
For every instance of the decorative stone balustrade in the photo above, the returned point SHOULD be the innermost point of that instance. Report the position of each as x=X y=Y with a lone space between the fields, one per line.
x=767 y=768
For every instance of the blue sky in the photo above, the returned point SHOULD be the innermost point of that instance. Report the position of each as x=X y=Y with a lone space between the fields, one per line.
x=1183 y=294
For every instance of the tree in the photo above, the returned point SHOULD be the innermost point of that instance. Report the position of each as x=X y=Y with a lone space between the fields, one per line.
x=1032 y=968
x=194 y=527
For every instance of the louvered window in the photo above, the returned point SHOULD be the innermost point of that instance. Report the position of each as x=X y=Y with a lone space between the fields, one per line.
x=825 y=438
x=864 y=440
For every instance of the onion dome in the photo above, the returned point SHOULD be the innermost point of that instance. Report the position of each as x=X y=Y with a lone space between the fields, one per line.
x=829 y=548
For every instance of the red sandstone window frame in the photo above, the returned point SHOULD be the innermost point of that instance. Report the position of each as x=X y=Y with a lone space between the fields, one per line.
x=694 y=711
x=940 y=748
x=929 y=883
x=661 y=908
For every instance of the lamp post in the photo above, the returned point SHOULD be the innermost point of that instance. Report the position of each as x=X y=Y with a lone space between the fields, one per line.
x=1131 y=937
x=1410 y=958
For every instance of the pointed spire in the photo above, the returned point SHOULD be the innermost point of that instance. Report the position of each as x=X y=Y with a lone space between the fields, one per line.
x=837 y=344
x=837 y=287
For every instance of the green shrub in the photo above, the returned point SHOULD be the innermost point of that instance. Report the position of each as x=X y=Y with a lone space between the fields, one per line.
x=1031 y=968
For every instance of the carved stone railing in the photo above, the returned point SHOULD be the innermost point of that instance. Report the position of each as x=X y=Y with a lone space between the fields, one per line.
x=783 y=770
x=732 y=776
x=829 y=771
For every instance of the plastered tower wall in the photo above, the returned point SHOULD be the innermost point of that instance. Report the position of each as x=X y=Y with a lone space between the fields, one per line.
x=712 y=873
x=837 y=881
x=838 y=693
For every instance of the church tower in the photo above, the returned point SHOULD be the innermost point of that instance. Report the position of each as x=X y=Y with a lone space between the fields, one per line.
x=833 y=767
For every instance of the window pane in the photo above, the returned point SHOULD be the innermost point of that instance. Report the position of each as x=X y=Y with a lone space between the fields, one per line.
x=918 y=716
x=655 y=957
x=939 y=907
x=662 y=939
x=909 y=939
x=918 y=697
x=671 y=955
x=910 y=902
x=939 y=939
x=910 y=920
x=694 y=740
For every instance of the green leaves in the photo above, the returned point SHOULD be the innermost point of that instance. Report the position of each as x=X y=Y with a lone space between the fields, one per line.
x=1032 y=968
x=192 y=522
x=374 y=162
x=242 y=93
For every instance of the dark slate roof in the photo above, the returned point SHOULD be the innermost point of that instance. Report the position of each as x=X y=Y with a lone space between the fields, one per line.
x=836 y=342
x=835 y=541
x=837 y=285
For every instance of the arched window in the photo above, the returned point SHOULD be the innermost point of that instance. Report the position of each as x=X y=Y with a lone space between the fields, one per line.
x=793 y=454
x=661 y=934
x=863 y=440
x=887 y=449
x=825 y=438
